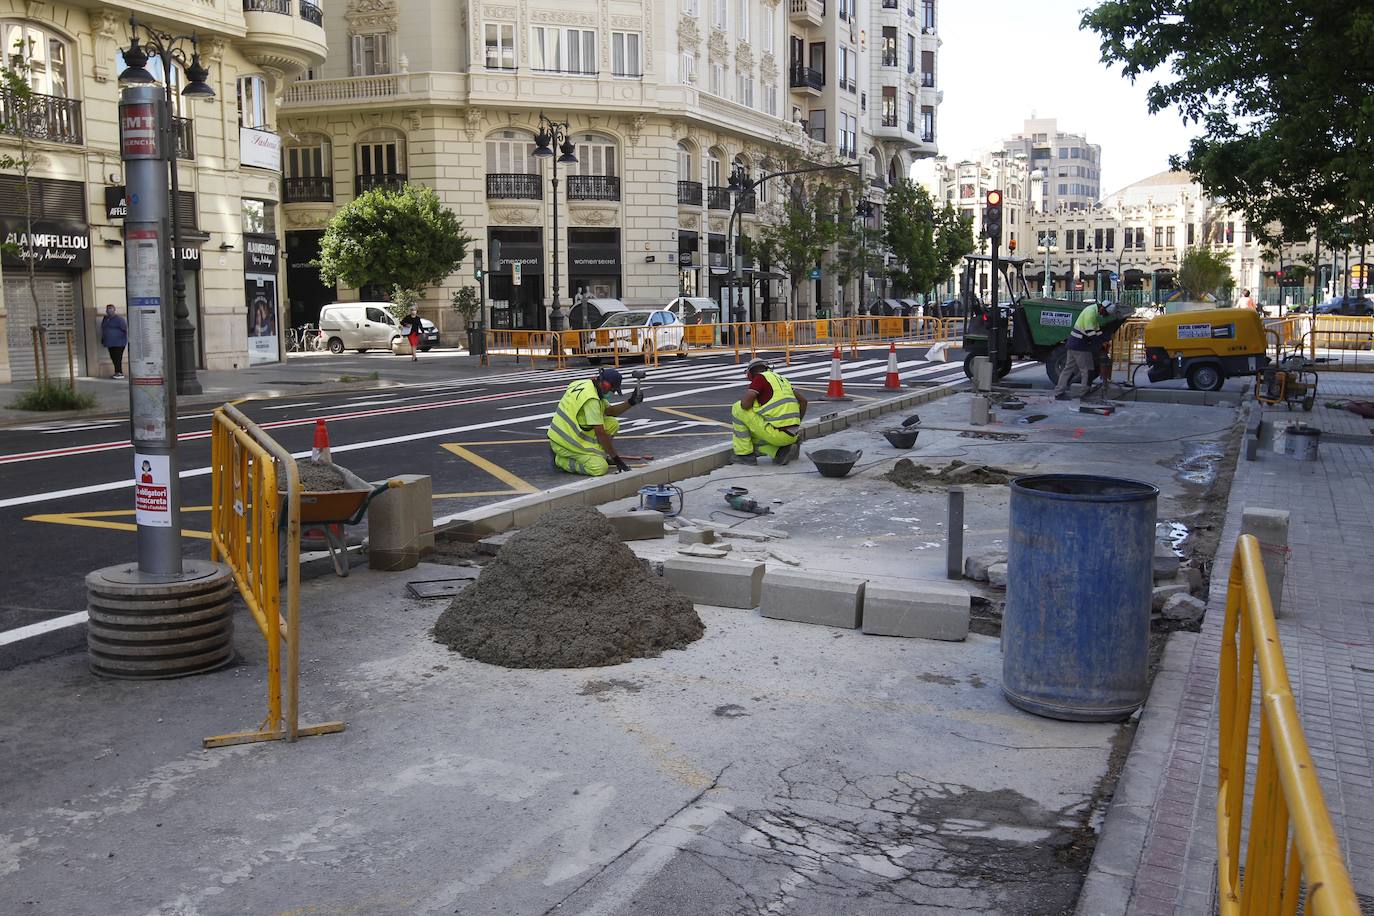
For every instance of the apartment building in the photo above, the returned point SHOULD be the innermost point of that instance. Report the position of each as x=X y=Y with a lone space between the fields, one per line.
x=662 y=101
x=1071 y=166
x=965 y=185
x=228 y=159
x=1129 y=245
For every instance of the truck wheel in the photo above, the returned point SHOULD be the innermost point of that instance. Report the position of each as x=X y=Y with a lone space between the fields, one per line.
x=1055 y=364
x=335 y=346
x=1205 y=377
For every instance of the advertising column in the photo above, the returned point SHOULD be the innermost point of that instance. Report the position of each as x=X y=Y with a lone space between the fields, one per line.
x=260 y=295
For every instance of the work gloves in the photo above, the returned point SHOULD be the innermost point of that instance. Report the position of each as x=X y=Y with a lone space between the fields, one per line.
x=636 y=396
x=620 y=464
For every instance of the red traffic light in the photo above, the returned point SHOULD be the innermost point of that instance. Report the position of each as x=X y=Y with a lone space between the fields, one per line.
x=994 y=198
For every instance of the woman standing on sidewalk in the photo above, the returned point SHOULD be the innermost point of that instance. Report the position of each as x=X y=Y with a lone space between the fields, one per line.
x=114 y=336
x=411 y=324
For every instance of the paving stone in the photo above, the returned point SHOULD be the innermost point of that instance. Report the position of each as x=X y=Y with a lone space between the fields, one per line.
x=1184 y=607
x=787 y=558
x=1190 y=576
x=693 y=535
x=1166 y=566
x=976 y=565
x=634 y=525
x=1270 y=528
x=724 y=583
x=710 y=551
x=1163 y=593
x=997 y=575
x=923 y=610
x=819 y=598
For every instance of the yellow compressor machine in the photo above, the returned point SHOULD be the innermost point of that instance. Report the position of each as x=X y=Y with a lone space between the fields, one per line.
x=1206 y=347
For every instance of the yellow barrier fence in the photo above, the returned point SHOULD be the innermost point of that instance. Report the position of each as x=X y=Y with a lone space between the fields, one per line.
x=1290 y=843
x=1128 y=349
x=255 y=528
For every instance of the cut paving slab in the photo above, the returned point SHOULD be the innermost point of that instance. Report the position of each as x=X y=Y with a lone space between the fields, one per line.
x=636 y=525
x=927 y=611
x=831 y=601
x=723 y=583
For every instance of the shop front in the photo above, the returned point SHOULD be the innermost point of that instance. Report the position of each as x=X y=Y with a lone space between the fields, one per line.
x=717 y=269
x=688 y=263
x=305 y=291
x=260 y=296
x=594 y=264
x=515 y=279
x=56 y=240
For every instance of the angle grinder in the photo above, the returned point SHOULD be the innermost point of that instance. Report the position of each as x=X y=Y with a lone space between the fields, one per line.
x=738 y=498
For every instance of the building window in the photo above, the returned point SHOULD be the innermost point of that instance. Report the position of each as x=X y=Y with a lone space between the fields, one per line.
x=1192 y=234
x=719 y=14
x=687 y=66
x=927 y=124
x=689 y=7
x=1075 y=153
x=743 y=24
x=911 y=111
x=718 y=79
x=928 y=14
x=767 y=35
x=625 y=58
x=1249 y=236
x=889 y=46
x=713 y=170
x=889 y=106
x=1097 y=239
x=252 y=99
x=815 y=125
x=559 y=50
x=46 y=56
x=1159 y=236
x=849 y=136
x=744 y=90
x=511 y=152
x=1063 y=188
x=685 y=171
x=371 y=53
x=1111 y=239
x=596 y=155
x=851 y=72
x=1139 y=238
x=770 y=100
x=928 y=69
x=1169 y=236
x=818 y=59
x=259 y=217
x=500 y=41
x=910 y=53
x=380 y=157
x=310 y=160
x=844 y=9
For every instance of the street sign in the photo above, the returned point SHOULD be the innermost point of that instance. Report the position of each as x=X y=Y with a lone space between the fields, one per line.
x=1115 y=278
x=815 y=273
x=515 y=273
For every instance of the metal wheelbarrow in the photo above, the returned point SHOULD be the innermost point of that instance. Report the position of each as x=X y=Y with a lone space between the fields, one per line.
x=333 y=510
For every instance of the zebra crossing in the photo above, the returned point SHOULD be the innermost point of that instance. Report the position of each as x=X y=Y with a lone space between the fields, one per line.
x=807 y=371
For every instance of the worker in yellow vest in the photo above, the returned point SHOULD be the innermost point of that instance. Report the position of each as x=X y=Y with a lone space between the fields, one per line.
x=767 y=418
x=584 y=424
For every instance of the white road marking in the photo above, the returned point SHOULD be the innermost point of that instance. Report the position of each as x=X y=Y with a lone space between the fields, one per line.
x=43 y=626
x=290 y=406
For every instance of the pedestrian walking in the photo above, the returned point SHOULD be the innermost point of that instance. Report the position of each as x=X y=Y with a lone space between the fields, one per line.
x=1246 y=301
x=411 y=325
x=1085 y=347
x=767 y=417
x=583 y=424
x=114 y=337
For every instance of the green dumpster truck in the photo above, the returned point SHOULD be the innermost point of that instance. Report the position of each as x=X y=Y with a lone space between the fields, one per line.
x=1036 y=328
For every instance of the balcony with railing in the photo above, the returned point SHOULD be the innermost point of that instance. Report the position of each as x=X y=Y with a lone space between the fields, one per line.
x=267 y=6
x=927 y=79
x=806 y=12
x=718 y=198
x=309 y=189
x=689 y=193
x=890 y=60
x=41 y=117
x=593 y=187
x=514 y=186
x=186 y=137
x=806 y=79
x=311 y=12
x=748 y=203
x=391 y=181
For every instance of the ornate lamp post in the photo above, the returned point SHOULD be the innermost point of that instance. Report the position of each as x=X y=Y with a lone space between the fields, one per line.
x=554 y=134
x=738 y=186
x=170 y=50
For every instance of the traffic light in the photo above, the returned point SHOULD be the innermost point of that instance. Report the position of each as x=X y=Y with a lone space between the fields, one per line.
x=992 y=214
x=1011 y=246
x=477 y=263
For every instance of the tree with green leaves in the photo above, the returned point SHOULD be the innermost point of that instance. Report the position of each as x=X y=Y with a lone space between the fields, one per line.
x=1203 y=272
x=390 y=239
x=1283 y=91
x=802 y=229
x=926 y=243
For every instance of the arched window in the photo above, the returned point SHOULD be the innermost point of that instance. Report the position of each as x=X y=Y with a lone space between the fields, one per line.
x=875 y=165
x=894 y=170
x=309 y=166
x=714 y=178
x=511 y=152
x=379 y=160
x=44 y=52
x=685 y=163
x=767 y=190
x=596 y=155
x=252 y=98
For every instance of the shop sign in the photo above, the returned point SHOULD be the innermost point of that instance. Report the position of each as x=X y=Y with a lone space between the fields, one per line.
x=592 y=259
x=53 y=243
x=259 y=148
x=259 y=255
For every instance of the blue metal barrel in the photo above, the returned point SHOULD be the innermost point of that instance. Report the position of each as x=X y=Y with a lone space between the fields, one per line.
x=1076 y=629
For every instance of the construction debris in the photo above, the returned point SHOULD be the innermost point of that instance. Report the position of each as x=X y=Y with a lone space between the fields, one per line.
x=907 y=473
x=708 y=551
x=566 y=593
x=321 y=477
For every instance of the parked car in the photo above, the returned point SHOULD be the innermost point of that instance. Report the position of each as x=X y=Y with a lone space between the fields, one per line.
x=1343 y=305
x=631 y=331
x=695 y=309
x=360 y=326
x=429 y=335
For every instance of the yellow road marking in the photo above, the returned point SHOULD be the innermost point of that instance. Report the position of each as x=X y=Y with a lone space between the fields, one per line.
x=97 y=520
x=545 y=441
x=516 y=484
x=678 y=412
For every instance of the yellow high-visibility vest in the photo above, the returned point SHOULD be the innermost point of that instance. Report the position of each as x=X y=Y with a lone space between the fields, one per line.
x=782 y=410
x=565 y=427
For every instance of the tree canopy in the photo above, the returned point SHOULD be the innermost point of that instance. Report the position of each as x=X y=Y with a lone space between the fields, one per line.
x=390 y=239
x=1283 y=91
x=803 y=228
x=926 y=243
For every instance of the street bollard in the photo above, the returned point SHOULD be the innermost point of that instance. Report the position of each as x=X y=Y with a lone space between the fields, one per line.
x=954 y=526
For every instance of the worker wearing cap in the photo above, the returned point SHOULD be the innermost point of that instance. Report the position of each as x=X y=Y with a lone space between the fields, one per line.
x=1085 y=348
x=583 y=424
x=767 y=418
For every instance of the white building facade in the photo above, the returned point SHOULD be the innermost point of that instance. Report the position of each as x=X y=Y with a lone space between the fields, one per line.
x=662 y=101
x=1070 y=166
x=228 y=168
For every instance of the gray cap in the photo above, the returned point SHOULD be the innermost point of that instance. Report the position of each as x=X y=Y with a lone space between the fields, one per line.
x=759 y=364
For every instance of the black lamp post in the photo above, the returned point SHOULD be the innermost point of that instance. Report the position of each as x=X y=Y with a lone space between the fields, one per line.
x=738 y=186
x=1097 y=272
x=171 y=51
x=554 y=134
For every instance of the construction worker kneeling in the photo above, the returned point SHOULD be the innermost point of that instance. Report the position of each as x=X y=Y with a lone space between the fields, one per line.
x=583 y=424
x=767 y=418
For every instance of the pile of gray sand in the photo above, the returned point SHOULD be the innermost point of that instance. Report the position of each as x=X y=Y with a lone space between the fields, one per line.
x=566 y=593
x=319 y=477
x=907 y=473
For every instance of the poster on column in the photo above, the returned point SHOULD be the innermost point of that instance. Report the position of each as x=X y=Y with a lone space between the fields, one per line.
x=260 y=293
x=152 y=491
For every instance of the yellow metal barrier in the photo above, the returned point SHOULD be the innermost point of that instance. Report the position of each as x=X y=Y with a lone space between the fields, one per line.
x=256 y=531
x=1291 y=842
x=1128 y=349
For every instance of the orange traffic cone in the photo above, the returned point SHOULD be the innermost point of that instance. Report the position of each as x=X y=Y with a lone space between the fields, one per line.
x=320 y=452
x=835 y=390
x=892 y=380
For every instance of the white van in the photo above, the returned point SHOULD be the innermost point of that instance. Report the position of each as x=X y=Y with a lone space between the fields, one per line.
x=358 y=326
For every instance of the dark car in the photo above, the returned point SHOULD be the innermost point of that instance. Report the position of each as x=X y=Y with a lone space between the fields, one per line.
x=1344 y=305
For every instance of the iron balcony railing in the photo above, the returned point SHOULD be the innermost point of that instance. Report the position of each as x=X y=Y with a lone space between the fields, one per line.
x=314 y=188
x=928 y=137
x=593 y=187
x=806 y=78
x=890 y=60
x=267 y=6
x=311 y=12
x=514 y=186
x=41 y=117
x=928 y=79
x=718 y=198
x=689 y=192
x=391 y=181
x=748 y=203
x=186 y=137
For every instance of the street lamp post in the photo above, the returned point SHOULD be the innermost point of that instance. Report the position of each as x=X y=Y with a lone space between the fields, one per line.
x=1047 y=241
x=170 y=51
x=554 y=134
x=1097 y=272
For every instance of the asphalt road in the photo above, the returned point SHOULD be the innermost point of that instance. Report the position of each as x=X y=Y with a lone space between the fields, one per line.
x=65 y=486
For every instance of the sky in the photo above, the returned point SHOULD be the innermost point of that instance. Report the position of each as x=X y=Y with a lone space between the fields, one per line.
x=1002 y=61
